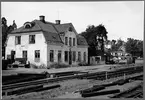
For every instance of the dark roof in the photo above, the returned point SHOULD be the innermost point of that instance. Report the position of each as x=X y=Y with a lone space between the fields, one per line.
x=52 y=37
x=81 y=40
x=51 y=31
x=38 y=26
x=23 y=30
x=64 y=27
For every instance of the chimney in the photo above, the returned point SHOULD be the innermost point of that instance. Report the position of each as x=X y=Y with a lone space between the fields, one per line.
x=57 y=21
x=42 y=18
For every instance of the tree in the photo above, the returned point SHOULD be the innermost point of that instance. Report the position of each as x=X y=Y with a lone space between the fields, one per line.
x=113 y=41
x=95 y=36
x=5 y=31
x=116 y=45
x=4 y=34
x=134 y=47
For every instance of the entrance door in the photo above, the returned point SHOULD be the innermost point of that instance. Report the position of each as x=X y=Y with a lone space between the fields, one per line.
x=12 y=56
x=25 y=54
x=70 y=57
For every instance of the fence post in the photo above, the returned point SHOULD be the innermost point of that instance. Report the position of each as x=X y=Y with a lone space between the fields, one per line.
x=124 y=76
x=106 y=75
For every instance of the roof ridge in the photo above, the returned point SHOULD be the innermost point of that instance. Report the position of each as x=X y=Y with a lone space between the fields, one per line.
x=38 y=24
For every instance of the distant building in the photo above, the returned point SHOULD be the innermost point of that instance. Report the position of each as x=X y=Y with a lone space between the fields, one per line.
x=43 y=42
x=121 y=51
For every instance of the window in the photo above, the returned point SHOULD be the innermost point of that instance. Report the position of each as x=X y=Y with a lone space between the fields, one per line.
x=79 y=56
x=31 y=39
x=66 y=56
x=84 y=56
x=27 y=26
x=24 y=54
x=18 y=40
x=70 y=57
x=59 y=56
x=66 y=40
x=70 y=43
x=37 y=55
x=51 y=56
x=62 y=33
x=74 y=41
x=70 y=29
x=13 y=55
x=74 y=56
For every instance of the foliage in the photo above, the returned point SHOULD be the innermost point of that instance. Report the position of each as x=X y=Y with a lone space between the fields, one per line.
x=5 y=31
x=116 y=44
x=90 y=35
x=134 y=47
x=59 y=65
x=42 y=66
x=83 y=64
x=34 y=66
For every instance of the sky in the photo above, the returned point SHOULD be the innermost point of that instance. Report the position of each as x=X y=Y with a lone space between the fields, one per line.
x=122 y=19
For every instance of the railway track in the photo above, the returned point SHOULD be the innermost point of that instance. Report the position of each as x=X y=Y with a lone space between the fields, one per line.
x=97 y=90
x=133 y=92
x=7 y=89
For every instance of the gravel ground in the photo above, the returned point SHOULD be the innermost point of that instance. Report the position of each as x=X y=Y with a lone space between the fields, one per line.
x=67 y=86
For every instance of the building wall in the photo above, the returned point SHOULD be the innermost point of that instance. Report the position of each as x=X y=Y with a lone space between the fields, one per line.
x=83 y=49
x=64 y=48
x=39 y=45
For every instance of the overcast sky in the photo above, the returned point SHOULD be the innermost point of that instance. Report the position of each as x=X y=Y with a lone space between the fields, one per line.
x=122 y=19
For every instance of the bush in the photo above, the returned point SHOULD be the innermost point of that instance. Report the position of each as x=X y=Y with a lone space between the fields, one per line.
x=42 y=66
x=59 y=65
x=4 y=64
x=34 y=66
x=83 y=64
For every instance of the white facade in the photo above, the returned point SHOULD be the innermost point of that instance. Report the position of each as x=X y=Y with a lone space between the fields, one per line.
x=49 y=42
x=40 y=44
x=44 y=47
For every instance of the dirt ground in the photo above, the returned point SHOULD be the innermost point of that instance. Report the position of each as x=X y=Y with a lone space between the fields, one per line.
x=67 y=89
x=81 y=68
x=67 y=86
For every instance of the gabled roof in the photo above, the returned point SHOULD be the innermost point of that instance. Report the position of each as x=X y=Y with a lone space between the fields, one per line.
x=64 y=27
x=51 y=31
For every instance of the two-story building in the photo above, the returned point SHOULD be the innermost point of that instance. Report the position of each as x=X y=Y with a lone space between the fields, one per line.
x=43 y=42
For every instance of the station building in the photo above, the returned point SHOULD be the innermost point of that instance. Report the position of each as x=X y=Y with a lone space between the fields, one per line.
x=43 y=42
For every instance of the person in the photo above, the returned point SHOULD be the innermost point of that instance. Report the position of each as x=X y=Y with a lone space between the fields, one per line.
x=133 y=60
x=27 y=64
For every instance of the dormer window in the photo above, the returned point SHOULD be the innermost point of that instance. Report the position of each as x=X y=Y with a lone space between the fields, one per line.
x=27 y=25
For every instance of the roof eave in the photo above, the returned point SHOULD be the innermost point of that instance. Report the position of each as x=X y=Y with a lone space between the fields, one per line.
x=25 y=31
